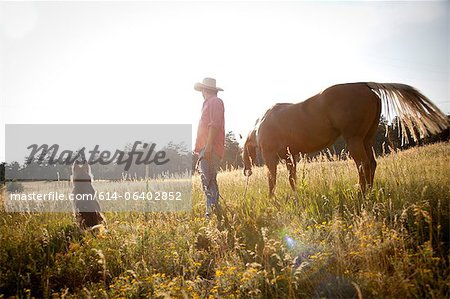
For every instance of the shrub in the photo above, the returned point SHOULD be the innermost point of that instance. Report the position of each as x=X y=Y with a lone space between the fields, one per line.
x=14 y=187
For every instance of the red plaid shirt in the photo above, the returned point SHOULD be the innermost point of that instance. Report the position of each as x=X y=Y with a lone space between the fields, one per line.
x=212 y=116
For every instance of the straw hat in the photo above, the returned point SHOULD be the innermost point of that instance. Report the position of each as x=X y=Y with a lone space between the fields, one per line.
x=208 y=83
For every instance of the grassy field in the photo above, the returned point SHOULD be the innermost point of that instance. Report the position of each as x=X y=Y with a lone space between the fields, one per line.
x=323 y=241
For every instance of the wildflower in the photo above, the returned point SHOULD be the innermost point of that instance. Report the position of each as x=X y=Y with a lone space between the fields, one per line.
x=219 y=273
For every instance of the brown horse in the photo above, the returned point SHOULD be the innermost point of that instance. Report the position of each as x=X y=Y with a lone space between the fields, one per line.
x=350 y=110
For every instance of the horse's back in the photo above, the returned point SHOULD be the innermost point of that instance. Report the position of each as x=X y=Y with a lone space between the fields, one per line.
x=343 y=109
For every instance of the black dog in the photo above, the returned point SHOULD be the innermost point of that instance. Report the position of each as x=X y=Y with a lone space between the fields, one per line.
x=87 y=208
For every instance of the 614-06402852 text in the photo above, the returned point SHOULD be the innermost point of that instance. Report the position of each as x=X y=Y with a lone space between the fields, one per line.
x=106 y=196
x=150 y=195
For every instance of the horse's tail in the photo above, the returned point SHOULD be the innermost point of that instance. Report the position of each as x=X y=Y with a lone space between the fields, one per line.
x=249 y=154
x=412 y=108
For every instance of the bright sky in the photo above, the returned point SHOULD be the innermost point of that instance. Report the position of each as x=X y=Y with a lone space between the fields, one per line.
x=136 y=63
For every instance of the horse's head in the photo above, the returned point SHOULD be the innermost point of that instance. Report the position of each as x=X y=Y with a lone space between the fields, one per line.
x=249 y=154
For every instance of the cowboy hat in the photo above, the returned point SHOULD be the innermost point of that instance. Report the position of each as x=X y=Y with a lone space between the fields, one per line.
x=208 y=83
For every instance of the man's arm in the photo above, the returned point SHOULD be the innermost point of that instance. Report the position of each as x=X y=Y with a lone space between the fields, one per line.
x=212 y=133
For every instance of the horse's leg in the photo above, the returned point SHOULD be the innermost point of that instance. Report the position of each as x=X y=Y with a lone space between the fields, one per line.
x=271 y=162
x=357 y=149
x=372 y=161
x=272 y=167
x=368 y=144
x=291 y=165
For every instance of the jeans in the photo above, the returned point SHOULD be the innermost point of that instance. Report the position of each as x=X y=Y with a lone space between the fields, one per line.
x=208 y=175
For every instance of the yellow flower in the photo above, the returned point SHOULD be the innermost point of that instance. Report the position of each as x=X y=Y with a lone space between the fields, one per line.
x=219 y=273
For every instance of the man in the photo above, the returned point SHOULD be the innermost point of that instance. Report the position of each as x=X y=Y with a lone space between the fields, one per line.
x=210 y=141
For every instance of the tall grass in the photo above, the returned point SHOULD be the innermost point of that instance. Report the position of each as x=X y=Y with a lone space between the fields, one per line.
x=324 y=240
